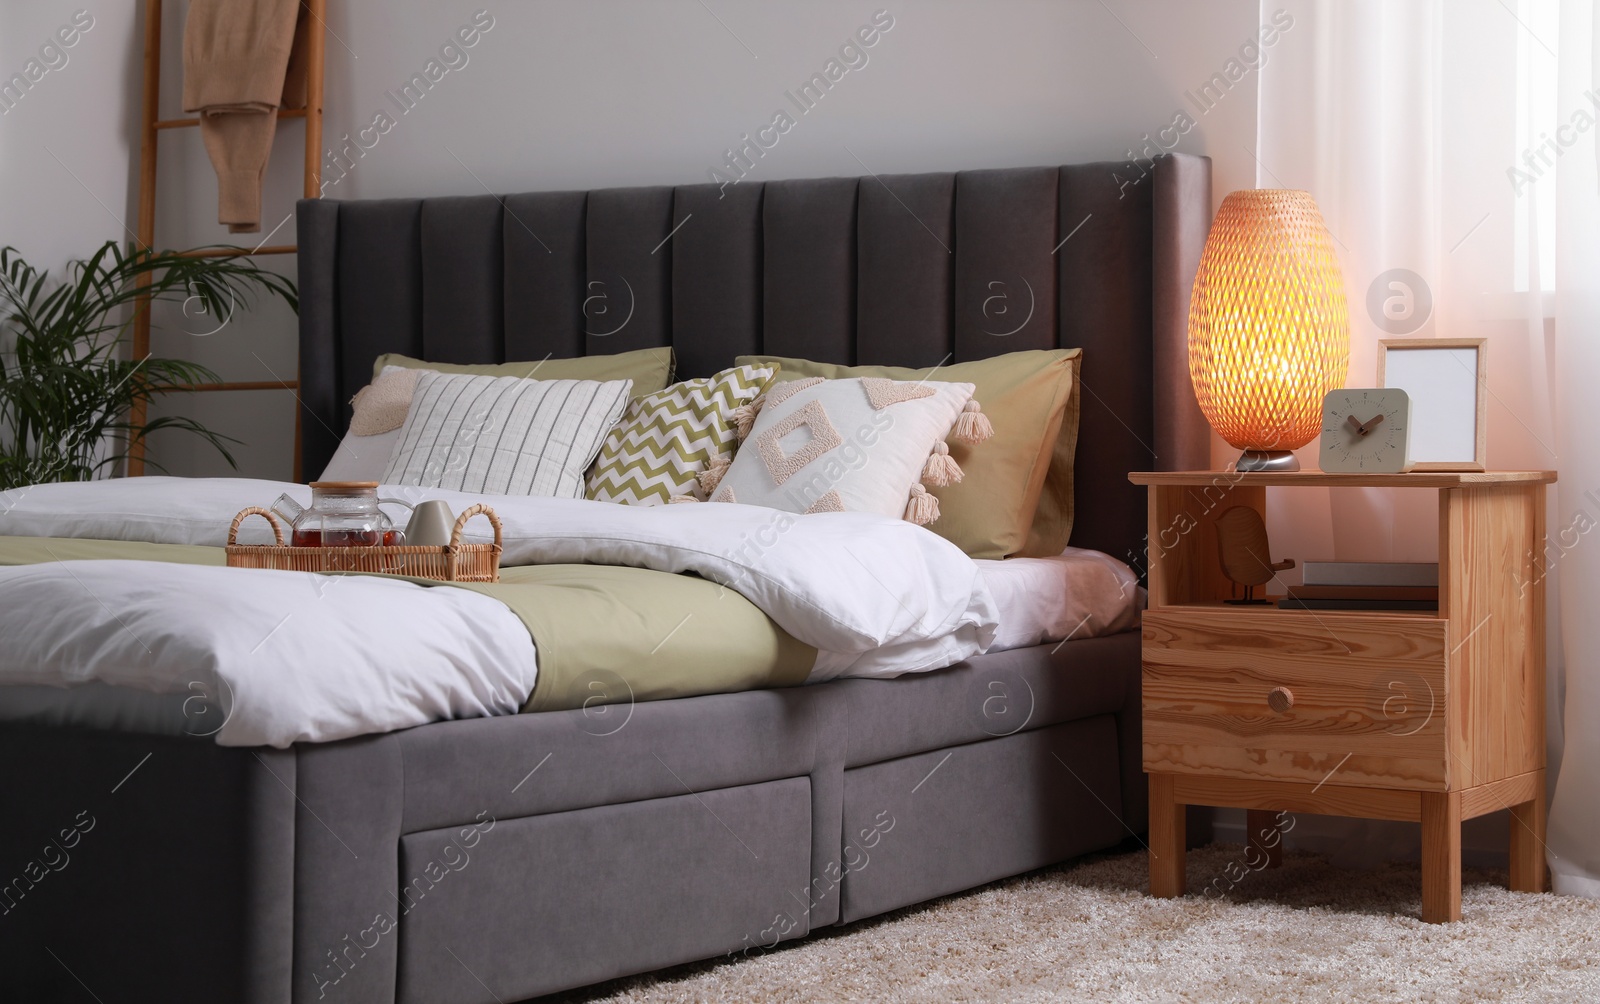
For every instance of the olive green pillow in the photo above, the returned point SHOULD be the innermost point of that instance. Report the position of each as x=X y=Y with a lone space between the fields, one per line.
x=649 y=369
x=1016 y=495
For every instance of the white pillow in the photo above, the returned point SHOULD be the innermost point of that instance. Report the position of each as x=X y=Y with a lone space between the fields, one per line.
x=362 y=458
x=380 y=410
x=504 y=435
x=856 y=445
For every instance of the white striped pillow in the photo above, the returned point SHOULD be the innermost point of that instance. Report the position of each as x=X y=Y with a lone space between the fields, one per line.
x=504 y=435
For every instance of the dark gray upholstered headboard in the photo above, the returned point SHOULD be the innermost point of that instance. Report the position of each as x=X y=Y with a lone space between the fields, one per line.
x=900 y=269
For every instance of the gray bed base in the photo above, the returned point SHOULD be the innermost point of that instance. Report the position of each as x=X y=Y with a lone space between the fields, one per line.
x=537 y=852
x=501 y=859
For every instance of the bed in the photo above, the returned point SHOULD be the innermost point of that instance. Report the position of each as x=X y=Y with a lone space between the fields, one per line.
x=502 y=858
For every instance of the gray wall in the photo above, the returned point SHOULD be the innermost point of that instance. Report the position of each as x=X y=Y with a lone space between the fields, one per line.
x=567 y=94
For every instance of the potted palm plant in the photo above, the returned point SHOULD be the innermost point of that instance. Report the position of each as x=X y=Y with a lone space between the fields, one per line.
x=68 y=391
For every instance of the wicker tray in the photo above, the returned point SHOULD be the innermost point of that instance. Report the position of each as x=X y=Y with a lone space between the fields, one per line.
x=458 y=562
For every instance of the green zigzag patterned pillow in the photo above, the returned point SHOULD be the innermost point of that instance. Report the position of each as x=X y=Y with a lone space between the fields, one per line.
x=667 y=438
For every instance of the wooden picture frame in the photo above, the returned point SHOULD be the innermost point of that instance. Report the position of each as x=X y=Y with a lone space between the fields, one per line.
x=1443 y=383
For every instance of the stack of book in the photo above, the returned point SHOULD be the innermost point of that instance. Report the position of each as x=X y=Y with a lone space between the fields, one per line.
x=1366 y=585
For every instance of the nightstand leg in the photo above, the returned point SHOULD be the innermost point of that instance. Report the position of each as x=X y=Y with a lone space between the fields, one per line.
x=1261 y=832
x=1167 y=819
x=1441 y=856
x=1527 y=843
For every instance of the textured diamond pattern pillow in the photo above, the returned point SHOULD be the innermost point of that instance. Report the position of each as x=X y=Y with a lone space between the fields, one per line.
x=858 y=445
x=667 y=439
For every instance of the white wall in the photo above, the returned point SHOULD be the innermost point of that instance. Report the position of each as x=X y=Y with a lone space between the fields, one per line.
x=65 y=165
x=564 y=94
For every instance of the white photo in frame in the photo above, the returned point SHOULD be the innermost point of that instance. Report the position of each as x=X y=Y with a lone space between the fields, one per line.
x=1447 y=382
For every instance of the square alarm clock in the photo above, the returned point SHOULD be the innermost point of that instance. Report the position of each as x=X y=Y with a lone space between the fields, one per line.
x=1366 y=430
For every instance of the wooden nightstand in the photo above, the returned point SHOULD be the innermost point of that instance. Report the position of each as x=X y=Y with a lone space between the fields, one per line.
x=1432 y=718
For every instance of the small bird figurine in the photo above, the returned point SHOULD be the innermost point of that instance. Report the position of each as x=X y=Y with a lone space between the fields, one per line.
x=1242 y=549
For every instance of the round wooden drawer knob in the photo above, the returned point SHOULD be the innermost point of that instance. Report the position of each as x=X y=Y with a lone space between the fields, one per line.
x=1280 y=699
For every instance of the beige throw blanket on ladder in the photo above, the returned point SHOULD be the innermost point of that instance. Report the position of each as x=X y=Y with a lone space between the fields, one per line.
x=237 y=70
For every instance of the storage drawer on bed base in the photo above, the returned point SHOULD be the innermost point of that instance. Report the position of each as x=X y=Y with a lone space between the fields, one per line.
x=571 y=898
x=947 y=820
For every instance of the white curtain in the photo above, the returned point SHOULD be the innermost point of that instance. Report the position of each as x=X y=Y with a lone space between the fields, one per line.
x=1429 y=133
x=1575 y=816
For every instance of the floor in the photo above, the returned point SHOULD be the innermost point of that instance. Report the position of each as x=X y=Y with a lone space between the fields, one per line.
x=1086 y=932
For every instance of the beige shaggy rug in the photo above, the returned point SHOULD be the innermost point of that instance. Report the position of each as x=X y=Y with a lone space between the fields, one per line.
x=1087 y=932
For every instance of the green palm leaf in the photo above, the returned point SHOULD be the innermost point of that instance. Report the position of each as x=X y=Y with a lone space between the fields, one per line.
x=66 y=390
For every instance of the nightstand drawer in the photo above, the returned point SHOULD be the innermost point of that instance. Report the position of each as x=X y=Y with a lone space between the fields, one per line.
x=1296 y=696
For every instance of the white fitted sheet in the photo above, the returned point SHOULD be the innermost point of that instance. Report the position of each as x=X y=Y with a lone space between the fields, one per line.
x=1077 y=594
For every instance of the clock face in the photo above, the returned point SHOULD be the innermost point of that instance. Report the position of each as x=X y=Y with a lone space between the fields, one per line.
x=1366 y=431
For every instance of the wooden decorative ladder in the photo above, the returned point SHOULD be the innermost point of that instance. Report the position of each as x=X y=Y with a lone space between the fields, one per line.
x=151 y=126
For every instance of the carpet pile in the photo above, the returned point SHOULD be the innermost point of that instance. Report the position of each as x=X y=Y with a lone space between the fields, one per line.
x=1086 y=932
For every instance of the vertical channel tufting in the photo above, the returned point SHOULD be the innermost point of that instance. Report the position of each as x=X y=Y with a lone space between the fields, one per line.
x=318 y=239
x=716 y=276
x=628 y=293
x=380 y=288
x=1181 y=211
x=1005 y=278
x=864 y=271
x=809 y=242
x=905 y=260
x=1105 y=278
x=462 y=272
x=545 y=269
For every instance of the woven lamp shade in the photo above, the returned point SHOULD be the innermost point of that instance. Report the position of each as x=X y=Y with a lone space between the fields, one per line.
x=1269 y=332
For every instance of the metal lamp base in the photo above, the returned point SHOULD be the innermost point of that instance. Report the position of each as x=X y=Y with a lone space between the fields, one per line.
x=1267 y=460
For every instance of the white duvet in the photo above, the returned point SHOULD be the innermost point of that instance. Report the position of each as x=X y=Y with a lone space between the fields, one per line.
x=272 y=658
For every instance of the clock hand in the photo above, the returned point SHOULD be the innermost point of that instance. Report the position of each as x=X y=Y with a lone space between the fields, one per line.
x=1364 y=429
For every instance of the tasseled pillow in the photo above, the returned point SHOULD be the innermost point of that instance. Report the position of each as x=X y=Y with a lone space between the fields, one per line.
x=744 y=417
x=972 y=427
x=861 y=444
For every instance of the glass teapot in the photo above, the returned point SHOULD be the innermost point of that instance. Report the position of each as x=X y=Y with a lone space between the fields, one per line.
x=342 y=514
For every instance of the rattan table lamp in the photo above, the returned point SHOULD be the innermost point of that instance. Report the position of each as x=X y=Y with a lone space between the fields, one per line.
x=1269 y=332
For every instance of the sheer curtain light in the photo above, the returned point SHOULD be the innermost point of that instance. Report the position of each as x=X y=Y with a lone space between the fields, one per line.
x=1423 y=131
x=1575 y=814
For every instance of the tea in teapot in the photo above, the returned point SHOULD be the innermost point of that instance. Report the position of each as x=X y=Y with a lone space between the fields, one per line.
x=342 y=514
